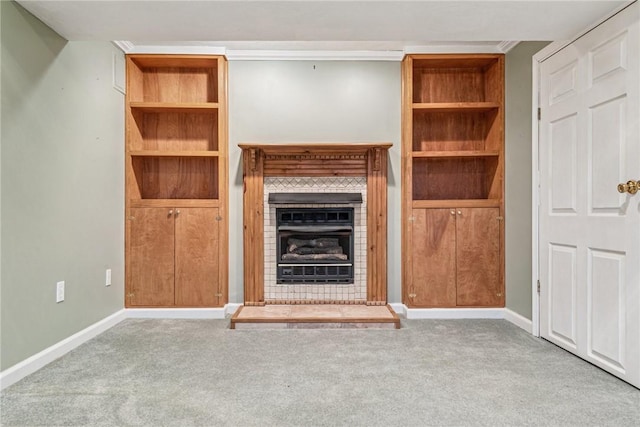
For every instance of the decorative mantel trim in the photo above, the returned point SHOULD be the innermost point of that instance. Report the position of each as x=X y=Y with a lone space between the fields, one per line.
x=315 y=159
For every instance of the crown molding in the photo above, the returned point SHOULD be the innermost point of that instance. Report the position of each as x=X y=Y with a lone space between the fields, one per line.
x=454 y=48
x=129 y=47
x=124 y=45
x=314 y=55
x=506 y=46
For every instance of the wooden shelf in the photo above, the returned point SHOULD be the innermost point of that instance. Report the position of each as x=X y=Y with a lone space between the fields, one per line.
x=448 y=61
x=457 y=203
x=454 y=154
x=176 y=176
x=175 y=61
x=174 y=153
x=450 y=107
x=175 y=203
x=175 y=107
x=453 y=180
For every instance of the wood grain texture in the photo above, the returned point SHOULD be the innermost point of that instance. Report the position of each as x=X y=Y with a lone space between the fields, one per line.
x=179 y=84
x=176 y=177
x=456 y=107
x=257 y=159
x=406 y=174
x=175 y=203
x=150 y=257
x=196 y=258
x=453 y=154
x=478 y=257
x=434 y=252
x=175 y=131
x=448 y=85
x=469 y=203
x=454 y=60
x=315 y=148
x=315 y=165
x=457 y=178
x=377 y=226
x=176 y=158
x=253 y=212
x=451 y=130
x=134 y=80
x=175 y=107
x=223 y=179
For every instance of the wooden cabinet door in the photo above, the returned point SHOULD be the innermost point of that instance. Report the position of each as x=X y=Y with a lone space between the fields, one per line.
x=197 y=243
x=150 y=257
x=478 y=257
x=433 y=269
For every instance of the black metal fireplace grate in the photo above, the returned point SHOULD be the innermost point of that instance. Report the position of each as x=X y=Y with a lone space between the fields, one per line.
x=314 y=245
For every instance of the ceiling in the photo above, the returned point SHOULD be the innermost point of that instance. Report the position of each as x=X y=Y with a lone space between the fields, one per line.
x=374 y=25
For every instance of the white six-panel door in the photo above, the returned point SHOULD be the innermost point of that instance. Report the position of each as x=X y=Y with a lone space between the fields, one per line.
x=589 y=244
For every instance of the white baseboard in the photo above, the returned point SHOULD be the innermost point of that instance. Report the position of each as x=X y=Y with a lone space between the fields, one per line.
x=231 y=308
x=399 y=308
x=455 y=313
x=518 y=320
x=28 y=366
x=465 y=313
x=175 y=313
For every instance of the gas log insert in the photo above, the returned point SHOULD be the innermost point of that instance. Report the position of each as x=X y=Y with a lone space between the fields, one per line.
x=314 y=245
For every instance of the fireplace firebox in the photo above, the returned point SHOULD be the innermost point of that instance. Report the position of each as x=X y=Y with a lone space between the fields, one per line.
x=315 y=245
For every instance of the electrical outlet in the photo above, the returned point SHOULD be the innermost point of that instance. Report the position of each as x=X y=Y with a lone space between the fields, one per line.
x=60 y=291
x=107 y=279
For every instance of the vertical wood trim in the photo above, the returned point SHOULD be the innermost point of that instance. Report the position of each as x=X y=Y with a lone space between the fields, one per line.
x=501 y=174
x=253 y=227
x=377 y=227
x=407 y=189
x=223 y=184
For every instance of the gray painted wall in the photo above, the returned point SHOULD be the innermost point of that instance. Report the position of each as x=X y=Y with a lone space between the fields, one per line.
x=62 y=185
x=518 y=176
x=61 y=168
x=290 y=101
x=304 y=101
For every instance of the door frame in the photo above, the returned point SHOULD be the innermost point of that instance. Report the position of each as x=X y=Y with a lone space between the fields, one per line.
x=538 y=58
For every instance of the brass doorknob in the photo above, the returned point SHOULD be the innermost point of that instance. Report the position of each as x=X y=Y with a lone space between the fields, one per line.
x=630 y=187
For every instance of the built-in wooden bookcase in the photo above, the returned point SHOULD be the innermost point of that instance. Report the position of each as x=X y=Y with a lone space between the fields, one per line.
x=453 y=163
x=176 y=180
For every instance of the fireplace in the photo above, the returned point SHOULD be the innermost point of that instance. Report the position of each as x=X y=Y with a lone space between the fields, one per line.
x=314 y=245
x=315 y=240
x=334 y=168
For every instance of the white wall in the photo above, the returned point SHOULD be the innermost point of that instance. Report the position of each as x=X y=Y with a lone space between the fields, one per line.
x=62 y=177
x=305 y=101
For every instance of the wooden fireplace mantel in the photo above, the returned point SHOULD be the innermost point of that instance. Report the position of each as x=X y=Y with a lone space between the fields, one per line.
x=315 y=159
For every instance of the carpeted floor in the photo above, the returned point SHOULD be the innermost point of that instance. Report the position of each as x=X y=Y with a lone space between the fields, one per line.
x=429 y=373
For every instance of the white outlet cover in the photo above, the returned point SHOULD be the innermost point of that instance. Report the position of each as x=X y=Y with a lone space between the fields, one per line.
x=60 y=291
x=107 y=281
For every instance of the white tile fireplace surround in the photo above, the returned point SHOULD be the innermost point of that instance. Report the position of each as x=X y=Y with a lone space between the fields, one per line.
x=355 y=293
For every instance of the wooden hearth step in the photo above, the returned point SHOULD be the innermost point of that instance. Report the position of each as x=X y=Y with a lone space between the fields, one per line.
x=280 y=316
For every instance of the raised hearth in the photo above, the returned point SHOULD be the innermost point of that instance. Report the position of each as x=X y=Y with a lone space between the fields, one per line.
x=315 y=316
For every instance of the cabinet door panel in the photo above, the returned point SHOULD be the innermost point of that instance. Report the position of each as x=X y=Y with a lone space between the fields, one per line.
x=151 y=258
x=197 y=242
x=478 y=257
x=433 y=236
